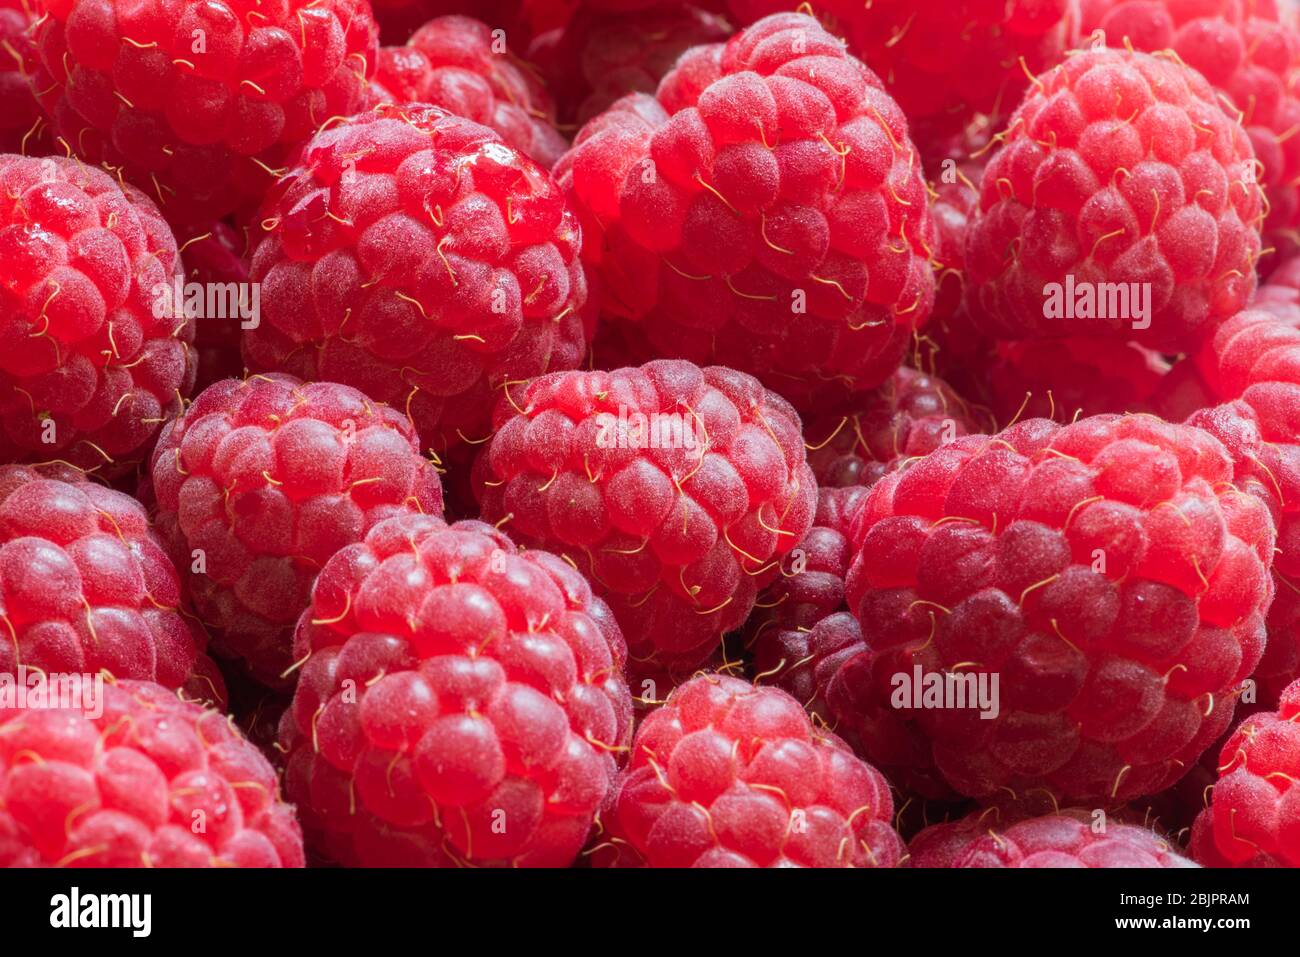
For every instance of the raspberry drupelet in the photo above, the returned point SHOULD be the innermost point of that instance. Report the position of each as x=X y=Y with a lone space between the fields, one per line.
x=200 y=103
x=462 y=702
x=413 y=255
x=260 y=482
x=675 y=489
x=1118 y=168
x=91 y=360
x=1107 y=574
x=766 y=210
x=727 y=774
x=129 y=787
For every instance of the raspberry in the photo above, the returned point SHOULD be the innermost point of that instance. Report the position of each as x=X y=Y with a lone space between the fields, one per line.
x=727 y=774
x=462 y=702
x=413 y=255
x=1254 y=816
x=911 y=415
x=617 y=55
x=217 y=254
x=1248 y=52
x=676 y=489
x=766 y=212
x=456 y=63
x=126 y=789
x=20 y=114
x=801 y=627
x=1067 y=839
x=1118 y=167
x=946 y=62
x=88 y=369
x=260 y=482
x=1106 y=572
x=200 y=120
x=398 y=19
x=89 y=588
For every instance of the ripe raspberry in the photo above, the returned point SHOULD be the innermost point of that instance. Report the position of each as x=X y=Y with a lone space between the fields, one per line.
x=946 y=62
x=1254 y=816
x=260 y=482
x=89 y=589
x=765 y=212
x=1249 y=52
x=88 y=370
x=911 y=415
x=617 y=55
x=458 y=63
x=801 y=627
x=200 y=120
x=1118 y=167
x=413 y=255
x=727 y=774
x=676 y=489
x=1066 y=839
x=463 y=701
x=216 y=254
x=20 y=114
x=126 y=789
x=1107 y=572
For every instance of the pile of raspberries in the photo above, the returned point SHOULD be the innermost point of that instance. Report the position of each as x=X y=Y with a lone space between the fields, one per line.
x=650 y=433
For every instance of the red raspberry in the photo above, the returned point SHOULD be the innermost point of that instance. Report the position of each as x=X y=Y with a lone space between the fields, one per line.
x=218 y=254
x=20 y=115
x=617 y=55
x=676 y=489
x=458 y=63
x=727 y=774
x=801 y=628
x=398 y=19
x=1254 y=816
x=911 y=415
x=413 y=255
x=1069 y=838
x=89 y=589
x=260 y=482
x=462 y=701
x=946 y=62
x=1247 y=51
x=1107 y=573
x=766 y=212
x=200 y=120
x=128 y=788
x=1118 y=167
x=90 y=366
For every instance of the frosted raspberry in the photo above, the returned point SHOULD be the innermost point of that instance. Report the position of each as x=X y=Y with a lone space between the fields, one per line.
x=20 y=115
x=260 y=482
x=1118 y=167
x=89 y=365
x=945 y=62
x=910 y=415
x=727 y=774
x=89 y=589
x=463 y=702
x=127 y=788
x=1107 y=572
x=1250 y=52
x=200 y=120
x=215 y=255
x=676 y=489
x=413 y=255
x=1254 y=816
x=596 y=59
x=801 y=627
x=458 y=64
x=1070 y=838
x=766 y=212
